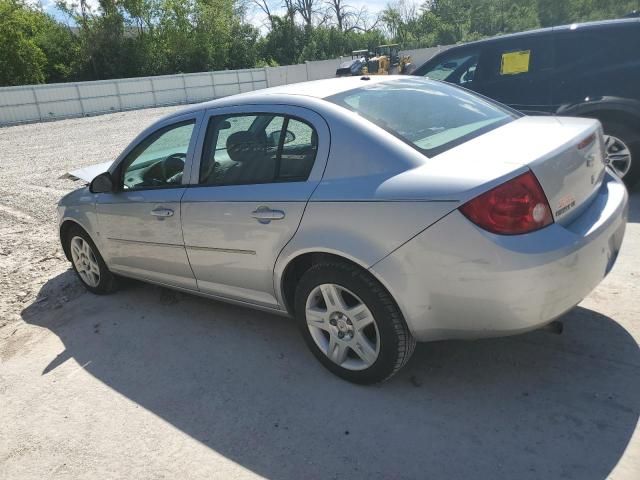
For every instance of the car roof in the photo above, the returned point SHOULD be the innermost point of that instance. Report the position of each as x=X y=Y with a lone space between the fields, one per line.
x=323 y=88
x=601 y=24
x=296 y=92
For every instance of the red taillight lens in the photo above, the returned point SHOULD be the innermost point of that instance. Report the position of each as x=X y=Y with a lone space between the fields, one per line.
x=517 y=206
x=587 y=141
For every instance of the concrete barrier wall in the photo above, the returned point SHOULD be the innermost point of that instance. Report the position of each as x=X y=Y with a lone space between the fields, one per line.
x=33 y=103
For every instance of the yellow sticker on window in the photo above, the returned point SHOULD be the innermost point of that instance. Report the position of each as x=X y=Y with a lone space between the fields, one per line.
x=515 y=62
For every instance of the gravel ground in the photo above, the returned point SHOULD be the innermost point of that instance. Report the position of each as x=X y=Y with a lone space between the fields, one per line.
x=32 y=158
x=149 y=383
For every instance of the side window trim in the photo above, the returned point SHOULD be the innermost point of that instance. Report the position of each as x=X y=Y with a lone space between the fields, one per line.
x=283 y=134
x=208 y=144
x=210 y=140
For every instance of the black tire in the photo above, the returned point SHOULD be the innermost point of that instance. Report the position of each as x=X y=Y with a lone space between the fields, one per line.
x=632 y=139
x=396 y=342
x=108 y=282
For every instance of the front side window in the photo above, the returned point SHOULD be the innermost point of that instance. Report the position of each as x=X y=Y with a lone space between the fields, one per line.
x=430 y=116
x=457 y=68
x=257 y=148
x=158 y=161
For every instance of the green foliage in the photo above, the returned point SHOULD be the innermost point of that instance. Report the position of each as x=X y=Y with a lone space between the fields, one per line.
x=283 y=43
x=34 y=47
x=128 y=38
x=452 y=21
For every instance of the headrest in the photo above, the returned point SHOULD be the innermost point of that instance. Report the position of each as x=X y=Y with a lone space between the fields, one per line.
x=245 y=147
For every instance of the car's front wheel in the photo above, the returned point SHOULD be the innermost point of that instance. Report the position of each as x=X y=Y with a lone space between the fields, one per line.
x=351 y=323
x=88 y=263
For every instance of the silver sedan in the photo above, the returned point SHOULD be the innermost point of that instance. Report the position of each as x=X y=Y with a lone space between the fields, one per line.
x=376 y=211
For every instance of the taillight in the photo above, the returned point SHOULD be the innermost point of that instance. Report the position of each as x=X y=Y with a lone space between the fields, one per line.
x=587 y=141
x=515 y=207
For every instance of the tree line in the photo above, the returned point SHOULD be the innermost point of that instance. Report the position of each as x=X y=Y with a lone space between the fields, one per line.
x=89 y=40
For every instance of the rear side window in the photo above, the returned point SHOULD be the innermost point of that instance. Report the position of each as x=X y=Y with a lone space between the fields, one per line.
x=257 y=148
x=430 y=116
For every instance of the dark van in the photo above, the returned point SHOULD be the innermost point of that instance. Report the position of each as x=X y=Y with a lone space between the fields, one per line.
x=584 y=70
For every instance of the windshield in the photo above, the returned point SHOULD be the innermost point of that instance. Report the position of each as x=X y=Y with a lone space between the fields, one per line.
x=454 y=68
x=430 y=116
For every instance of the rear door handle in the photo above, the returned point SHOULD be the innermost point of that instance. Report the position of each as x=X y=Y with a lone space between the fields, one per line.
x=162 y=212
x=264 y=214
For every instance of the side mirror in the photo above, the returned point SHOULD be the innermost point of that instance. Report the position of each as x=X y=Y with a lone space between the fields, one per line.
x=103 y=183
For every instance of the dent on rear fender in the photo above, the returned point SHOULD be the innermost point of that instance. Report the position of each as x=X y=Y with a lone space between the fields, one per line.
x=457 y=281
x=363 y=232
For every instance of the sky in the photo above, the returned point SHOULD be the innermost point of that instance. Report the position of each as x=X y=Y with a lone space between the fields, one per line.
x=373 y=6
x=49 y=6
x=254 y=16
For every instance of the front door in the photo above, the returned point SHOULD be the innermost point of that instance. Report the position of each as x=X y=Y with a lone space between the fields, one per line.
x=140 y=221
x=256 y=174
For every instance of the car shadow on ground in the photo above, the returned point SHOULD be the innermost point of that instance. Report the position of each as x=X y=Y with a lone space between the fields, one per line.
x=241 y=382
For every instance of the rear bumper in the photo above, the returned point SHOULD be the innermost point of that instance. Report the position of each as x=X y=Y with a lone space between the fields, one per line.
x=455 y=280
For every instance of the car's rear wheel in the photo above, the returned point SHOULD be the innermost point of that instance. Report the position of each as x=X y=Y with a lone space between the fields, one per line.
x=88 y=263
x=351 y=323
x=622 y=147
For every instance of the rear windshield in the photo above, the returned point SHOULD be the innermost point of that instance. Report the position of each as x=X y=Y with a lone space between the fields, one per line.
x=428 y=115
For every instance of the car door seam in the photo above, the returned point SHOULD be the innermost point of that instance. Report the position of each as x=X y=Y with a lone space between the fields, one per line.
x=184 y=244
x=276 y=288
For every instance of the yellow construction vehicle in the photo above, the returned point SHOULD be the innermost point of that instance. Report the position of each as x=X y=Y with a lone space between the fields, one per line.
x=386 y=60
x=355 y=66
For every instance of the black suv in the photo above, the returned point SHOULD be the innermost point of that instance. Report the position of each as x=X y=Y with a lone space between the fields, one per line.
x=581 y=70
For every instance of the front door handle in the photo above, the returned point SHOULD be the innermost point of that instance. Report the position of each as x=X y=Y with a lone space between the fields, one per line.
x=162 y=212
x=264 y=214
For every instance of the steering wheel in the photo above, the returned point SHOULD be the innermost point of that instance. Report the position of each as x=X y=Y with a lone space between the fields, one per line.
x=163 y=171
x=172 y=165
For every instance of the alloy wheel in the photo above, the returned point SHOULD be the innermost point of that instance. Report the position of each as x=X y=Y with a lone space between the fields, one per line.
x=618 y=155
x=342 y=327
x=85 y=261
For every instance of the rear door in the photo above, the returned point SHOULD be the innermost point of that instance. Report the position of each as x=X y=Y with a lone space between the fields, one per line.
x=518 y=72
x=257 y=167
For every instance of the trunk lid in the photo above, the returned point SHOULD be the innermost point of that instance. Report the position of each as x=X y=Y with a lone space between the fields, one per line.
x=570 y=170
x=570 y=163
